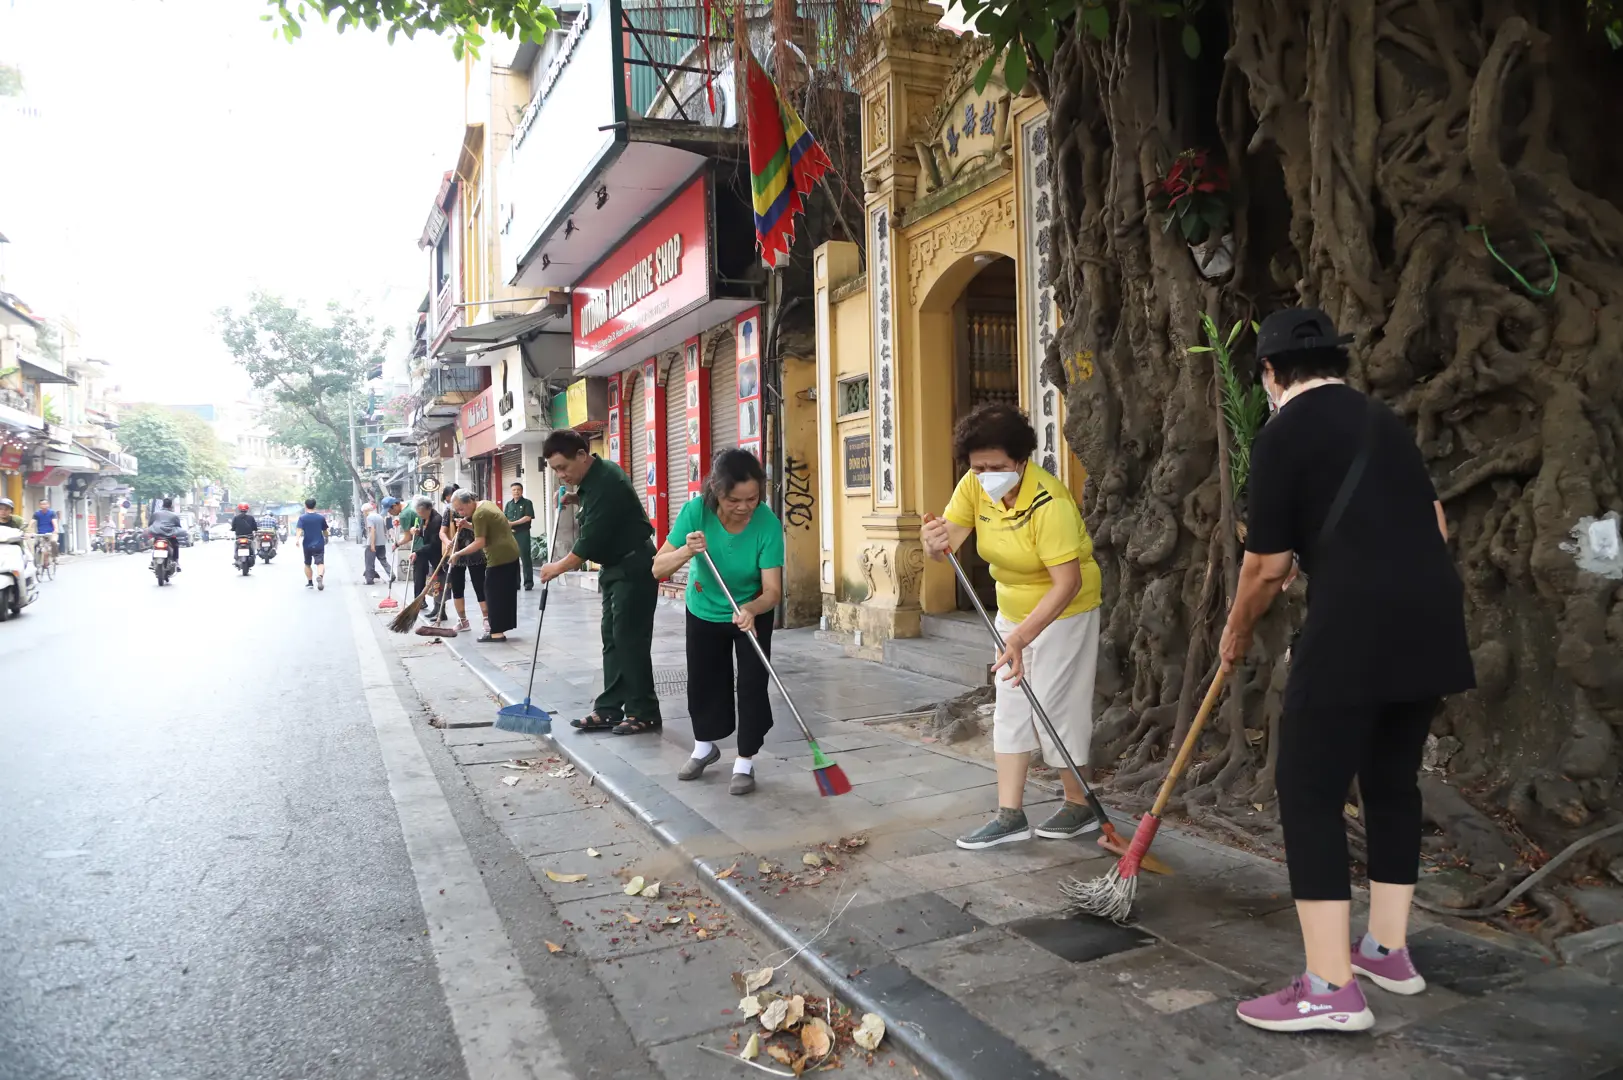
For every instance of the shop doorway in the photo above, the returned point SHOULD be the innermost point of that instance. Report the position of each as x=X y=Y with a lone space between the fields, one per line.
x=986 y=357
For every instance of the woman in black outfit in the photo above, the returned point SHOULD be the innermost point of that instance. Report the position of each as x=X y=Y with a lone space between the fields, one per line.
x=1337 y=483
x=427 y=557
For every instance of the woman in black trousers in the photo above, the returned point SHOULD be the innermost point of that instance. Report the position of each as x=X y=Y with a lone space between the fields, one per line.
x=1338 y=484
x=427 y=557
x=745 y=540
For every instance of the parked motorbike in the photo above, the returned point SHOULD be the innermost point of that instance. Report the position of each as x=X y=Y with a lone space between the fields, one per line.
x=164 y=551
x=19 y=579
x=244 y=555
x=267 y=545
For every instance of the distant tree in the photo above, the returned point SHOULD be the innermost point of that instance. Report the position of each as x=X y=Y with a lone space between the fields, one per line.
x=465 y=20
x=263 y=484
x=208 y=455
x=313 y=370
x=160 y=446
x=327 y=455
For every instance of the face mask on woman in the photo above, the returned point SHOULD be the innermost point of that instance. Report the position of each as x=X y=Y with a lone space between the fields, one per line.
x=998 y=484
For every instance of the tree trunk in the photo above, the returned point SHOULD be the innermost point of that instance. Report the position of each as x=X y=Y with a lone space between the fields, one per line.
x=1377 y=149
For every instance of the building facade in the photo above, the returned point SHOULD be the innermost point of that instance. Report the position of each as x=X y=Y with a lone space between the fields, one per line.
x=953 y=309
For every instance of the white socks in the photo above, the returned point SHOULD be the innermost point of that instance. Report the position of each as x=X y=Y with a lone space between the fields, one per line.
x=744 y=765
x=703 y=749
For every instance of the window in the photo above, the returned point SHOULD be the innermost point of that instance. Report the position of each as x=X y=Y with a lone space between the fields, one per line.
x=442 y=260
x=851 y=396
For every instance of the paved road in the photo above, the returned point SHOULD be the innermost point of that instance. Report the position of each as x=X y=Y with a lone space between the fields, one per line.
x=231 y=846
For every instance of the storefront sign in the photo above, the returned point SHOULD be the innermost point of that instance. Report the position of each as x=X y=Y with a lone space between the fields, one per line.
x=1042 y=314
x=11 y=458
x=748 y=329
x=858 y=462
x=882 y=289
x=618 y=451
x=696 y=385
x=661 y=271
x=549 y=79
x=476 y=425
x=656 y=484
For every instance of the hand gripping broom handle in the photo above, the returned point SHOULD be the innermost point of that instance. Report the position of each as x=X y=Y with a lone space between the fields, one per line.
x=1036 y=706
x=535 y=651
x=770 y=670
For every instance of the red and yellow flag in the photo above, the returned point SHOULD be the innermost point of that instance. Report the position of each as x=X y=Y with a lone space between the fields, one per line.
x=784 y=162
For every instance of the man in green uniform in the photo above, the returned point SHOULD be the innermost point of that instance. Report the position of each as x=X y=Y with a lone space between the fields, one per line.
x=615 y=534
x=520 y=514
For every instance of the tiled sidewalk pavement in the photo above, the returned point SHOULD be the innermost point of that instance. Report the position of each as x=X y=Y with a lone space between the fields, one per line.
x=966 y=954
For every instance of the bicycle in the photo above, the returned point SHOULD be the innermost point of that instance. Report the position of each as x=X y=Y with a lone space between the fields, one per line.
x=45 y=556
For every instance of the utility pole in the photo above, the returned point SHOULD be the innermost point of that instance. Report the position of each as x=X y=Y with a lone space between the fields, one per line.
x=354 y=485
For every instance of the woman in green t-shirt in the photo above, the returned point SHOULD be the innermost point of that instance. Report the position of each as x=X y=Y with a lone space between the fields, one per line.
x=745 y=540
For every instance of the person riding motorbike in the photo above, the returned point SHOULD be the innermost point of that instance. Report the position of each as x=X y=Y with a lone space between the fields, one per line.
x=244 y=523
x=268 y=525
x=166 y=523
x=8 y=515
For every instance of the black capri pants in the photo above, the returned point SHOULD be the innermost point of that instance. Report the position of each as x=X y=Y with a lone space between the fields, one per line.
x=1321 y=750
x=711 y=648
x=461 y=575
x=422 y=565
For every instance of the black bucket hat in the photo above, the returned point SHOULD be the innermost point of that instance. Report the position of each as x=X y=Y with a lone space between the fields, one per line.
x=1297 y=329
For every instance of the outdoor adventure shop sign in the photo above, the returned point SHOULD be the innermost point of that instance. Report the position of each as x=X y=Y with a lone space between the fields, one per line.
x=645 y=275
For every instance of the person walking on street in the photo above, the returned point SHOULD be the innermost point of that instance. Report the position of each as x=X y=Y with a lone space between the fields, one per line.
x=493 y=542
x=521 y=514
x=614 y=533
x=457 y=534
x=1338 y=485
x=1029 y=530
x=312 y=528
x=425 y=548
x=377 y=538
x=745 y=540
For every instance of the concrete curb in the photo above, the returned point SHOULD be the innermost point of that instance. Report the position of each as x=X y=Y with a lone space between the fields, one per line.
x=964 y=1041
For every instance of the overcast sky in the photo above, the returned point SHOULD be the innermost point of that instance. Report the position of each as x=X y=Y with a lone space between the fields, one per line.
x=175 y=156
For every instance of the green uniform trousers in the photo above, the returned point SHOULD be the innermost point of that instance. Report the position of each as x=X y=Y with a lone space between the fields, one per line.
x=526 y=557
x=630 y=595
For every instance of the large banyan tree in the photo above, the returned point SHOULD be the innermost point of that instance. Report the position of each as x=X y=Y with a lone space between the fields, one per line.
x=1445 y=178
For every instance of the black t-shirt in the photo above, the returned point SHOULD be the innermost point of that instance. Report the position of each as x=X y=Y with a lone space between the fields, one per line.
x=1385 y=607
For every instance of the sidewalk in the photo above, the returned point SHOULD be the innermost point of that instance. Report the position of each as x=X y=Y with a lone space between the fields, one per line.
x=968 y=955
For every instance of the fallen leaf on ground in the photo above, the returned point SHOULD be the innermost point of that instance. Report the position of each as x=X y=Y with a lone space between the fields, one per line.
x=514 y=765
x=851 y=843
x=752 y=1049
x=634 y=886
x=593 y=853
x=780 y=1055
x=673 y=920
x=871 y=1033
x=565 y=878
x=775 y=1017
x=692 y=918
x=552 y=948
x=563 y=772
x=765 y=867
x=754 y=980
x=652 y=892
x=510 y=780
x=811 y=858
x=703 y=933
x=632 y=919
x=750 y=1006
x=1352 y=811
x=727 y=872
x=817 y=1037
x=797 y=1011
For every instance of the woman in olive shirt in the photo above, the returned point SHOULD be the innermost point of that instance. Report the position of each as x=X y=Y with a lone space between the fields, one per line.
x=492 y=536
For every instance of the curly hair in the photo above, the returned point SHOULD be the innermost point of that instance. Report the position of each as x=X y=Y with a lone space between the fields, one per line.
x=994 y=426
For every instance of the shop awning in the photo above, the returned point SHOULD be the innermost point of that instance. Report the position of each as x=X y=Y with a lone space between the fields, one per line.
x=498 y=333
x=48 y=372
x=62 y=459
x=18 y=420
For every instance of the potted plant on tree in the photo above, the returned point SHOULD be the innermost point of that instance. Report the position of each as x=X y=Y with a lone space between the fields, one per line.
x=1194 y=196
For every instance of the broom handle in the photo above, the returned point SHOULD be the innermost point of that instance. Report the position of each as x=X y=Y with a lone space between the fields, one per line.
x=1031 y=695
x=535 y=651
x=1187 y=750
x=770 y=670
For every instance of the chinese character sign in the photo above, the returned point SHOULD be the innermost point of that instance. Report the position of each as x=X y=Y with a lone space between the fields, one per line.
x=884 y=413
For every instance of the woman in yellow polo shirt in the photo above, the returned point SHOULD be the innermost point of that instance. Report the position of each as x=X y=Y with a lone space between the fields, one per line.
x=1029 y=530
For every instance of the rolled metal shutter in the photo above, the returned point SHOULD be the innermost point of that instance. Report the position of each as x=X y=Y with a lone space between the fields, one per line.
x=676 y=434
x=639 y=438
x=512 y=460
x=724 y=396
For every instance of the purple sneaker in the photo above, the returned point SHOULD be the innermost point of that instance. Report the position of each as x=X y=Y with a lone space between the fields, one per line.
x=1297 y=1008
x=1394 y=972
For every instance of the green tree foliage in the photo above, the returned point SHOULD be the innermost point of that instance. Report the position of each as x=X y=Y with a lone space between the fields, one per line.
x=207 y=455
x=464 y=20
x=160 y=446
x=260 y=485
x=314 y=371
x=326 y=454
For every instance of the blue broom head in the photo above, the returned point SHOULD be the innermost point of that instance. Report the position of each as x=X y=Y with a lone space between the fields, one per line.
x=525 y=719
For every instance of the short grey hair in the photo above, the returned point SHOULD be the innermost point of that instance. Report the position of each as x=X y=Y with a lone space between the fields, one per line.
x=463 y=497
x=424 y=500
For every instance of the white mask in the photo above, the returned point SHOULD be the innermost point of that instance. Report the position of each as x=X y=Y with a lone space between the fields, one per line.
x=998 y=484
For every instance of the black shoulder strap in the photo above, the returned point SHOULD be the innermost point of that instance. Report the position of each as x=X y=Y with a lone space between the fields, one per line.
x=1355 y=473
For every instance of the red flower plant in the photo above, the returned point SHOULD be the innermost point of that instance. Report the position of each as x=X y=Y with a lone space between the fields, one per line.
x=1194 y=196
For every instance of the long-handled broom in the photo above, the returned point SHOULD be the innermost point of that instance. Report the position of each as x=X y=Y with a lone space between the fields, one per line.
x=525 y=718
x=1109 y=837
x=389 y=603
x=407 y=617
x=1111 y=897
x=439 y=629
x=831 y=779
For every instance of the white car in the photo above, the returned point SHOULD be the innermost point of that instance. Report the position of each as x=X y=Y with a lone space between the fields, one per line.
x=220 y=530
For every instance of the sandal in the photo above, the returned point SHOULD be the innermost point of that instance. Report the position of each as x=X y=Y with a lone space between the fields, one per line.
x=593 y=722
x=486 y=636
x=632 y=726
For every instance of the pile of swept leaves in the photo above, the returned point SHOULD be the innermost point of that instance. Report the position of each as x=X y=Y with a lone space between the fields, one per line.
x=817 y=865
x=804 y=1035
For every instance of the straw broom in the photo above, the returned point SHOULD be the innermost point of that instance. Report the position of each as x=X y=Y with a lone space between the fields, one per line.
x=407 y=618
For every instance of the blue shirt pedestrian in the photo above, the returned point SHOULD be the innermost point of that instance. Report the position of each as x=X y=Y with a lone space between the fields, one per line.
x=313 y=527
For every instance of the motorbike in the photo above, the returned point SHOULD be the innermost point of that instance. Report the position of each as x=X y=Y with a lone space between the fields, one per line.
x=19 y=579
x=130 y=541
x=244 y=557
x=267 y=545
x=163 y=558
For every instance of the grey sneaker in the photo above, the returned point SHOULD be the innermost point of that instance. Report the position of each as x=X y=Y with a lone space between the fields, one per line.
x=743 y=783
x=694 y=767
x=1070 y=820
x=1005 y=828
